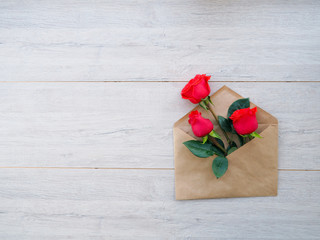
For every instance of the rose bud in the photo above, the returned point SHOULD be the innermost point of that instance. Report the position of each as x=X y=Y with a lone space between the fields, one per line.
x=196 y=89
x=245 y=121
x=200 y=126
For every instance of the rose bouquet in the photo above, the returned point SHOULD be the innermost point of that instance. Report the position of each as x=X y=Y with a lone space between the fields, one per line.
x=217 y=149
x=238 y=128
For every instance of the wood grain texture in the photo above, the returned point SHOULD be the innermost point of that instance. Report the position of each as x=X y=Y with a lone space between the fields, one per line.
x=127 y=204
x=159 y=41
x=95 y=84
x=129 y=125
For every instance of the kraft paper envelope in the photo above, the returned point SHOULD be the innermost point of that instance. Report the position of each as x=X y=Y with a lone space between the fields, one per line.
x=253 y=168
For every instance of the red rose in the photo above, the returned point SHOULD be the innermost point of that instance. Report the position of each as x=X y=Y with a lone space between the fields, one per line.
x=196 y=89
x=200 y=126
x=244 y=120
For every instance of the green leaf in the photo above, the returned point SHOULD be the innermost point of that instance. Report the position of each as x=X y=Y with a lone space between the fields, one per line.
x=239 y=104
x=233 y=131
x=232 y=144
x=225 y=124
x=203 y=105
x=220 y=142
x=214 y=134
x=219 y=166
x=255 y=134
x=218 y=151
x=199 y=149
x=231 y=150
x=204 y=139
x=209 y=98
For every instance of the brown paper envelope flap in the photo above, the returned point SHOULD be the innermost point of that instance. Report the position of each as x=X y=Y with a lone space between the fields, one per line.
x=227 y=96
x=252 y=169
x=222 y=99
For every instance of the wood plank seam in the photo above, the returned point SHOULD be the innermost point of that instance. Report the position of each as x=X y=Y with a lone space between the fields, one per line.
x=154 y=81
x=165 y=169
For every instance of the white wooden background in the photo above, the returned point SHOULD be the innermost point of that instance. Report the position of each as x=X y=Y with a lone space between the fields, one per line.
x=89 y=93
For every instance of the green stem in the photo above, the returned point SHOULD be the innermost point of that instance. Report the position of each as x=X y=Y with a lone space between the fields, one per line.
x=215 y=117
x=215 y=142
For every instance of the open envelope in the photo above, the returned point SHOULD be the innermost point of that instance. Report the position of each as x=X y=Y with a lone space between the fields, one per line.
x=253 y=168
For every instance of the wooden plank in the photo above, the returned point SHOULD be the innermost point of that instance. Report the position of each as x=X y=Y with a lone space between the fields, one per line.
x=129 y=125
x=159 y=41
x=127 y=204
x=96 y=13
